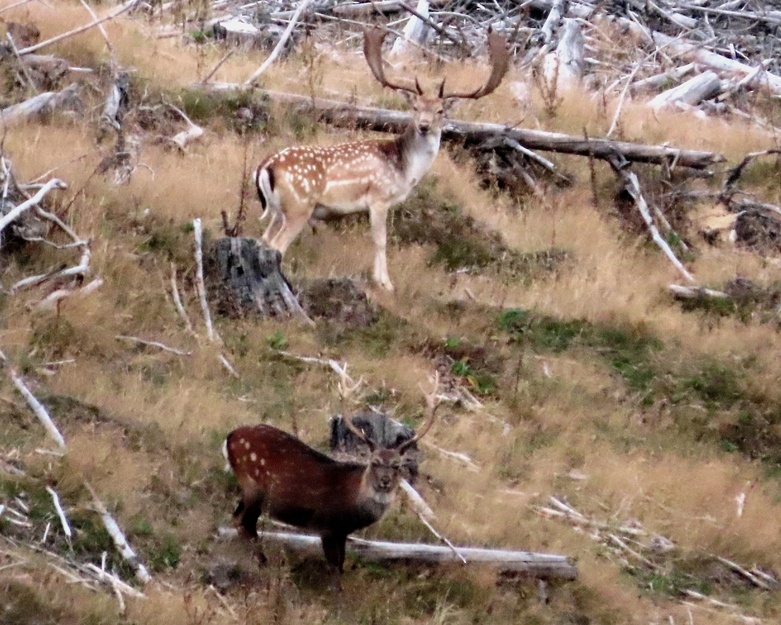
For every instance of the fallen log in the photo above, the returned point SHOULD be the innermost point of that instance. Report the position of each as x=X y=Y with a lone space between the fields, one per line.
x=702 y=87
x=42 y=105
x=386 y=120
x=539 y=565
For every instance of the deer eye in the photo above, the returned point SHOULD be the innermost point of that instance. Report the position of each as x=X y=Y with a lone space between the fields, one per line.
x=441 y=112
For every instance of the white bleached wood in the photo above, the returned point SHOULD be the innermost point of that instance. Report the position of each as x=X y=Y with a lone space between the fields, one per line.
x=280 y=44
x=114 y=14
x=60 y=512
x=207 y=317
x=34 y=404
x=163 y=346
x=534 y=564
x=415 y=31
x=118 y=536
x=693 y=91
x=54 y=183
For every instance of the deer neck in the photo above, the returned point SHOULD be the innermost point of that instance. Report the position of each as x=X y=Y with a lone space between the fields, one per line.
x=417 y=152
x=373 y=502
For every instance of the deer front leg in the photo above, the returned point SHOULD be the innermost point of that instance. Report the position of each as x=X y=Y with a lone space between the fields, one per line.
x=378 y=218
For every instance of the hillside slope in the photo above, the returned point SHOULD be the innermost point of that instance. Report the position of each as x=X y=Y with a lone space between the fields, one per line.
x=657 y=422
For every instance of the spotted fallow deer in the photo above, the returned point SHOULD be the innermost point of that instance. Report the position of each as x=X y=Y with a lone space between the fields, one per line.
x=287 y=480
x=301 y=183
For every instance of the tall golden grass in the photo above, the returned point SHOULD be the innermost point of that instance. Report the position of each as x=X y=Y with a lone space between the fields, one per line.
x=568 y=411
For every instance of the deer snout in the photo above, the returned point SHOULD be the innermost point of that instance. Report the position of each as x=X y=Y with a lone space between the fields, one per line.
x=386 y=481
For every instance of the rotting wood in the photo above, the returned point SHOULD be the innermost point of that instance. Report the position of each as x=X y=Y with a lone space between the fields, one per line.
x=42 y=104
x=386 y=120
x=247 y=278
x=539 y=565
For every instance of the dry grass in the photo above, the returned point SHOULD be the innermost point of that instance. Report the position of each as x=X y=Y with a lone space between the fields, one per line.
x=153 y=450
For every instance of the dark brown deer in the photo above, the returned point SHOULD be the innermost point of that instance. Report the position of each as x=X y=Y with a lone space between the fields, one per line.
x=287 y=480
x=304 y=182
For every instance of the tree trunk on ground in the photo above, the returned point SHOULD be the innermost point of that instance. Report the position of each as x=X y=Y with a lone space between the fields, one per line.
x=385 y=120
x=539 y=565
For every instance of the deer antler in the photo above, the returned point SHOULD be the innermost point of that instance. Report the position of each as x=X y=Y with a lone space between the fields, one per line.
x=346 y=388
x=372 y=50
x=499 y=56
x=432 y=402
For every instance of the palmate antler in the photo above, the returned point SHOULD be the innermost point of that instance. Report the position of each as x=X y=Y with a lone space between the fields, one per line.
x=372 y=50
x=499 y=57
x=498 y=54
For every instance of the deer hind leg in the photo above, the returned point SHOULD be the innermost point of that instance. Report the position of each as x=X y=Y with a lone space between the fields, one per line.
x=275 y=225
x=288 y=231
x=378 y=218
x=245 y=518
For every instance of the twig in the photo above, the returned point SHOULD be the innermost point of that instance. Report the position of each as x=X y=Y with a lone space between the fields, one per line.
x=60 y=512
x=194 y=131
x=218 y=66
x=122 y=9
x=228 y=366
x=280 y=44
x=178 y=301
x=120 y=542
x=455 y=455
x=134 y=339
x=13 y=6
x=54 y=183
x=100 y=26
x=632 y=185
x=747 y=574
x=79 y=270
x=35 y=405
x=418 y=503
x=207 y=317
x=22 y=64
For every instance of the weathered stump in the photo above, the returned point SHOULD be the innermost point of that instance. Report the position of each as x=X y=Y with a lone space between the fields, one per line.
x=381 y=429
x=246 y=279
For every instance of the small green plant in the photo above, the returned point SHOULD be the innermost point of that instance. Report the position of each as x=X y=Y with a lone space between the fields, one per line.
x=277 y=340
x=481 y=381
x=164 y=554
x=199 y=36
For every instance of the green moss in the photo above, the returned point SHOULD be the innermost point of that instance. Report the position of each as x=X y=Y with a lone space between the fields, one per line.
x=203 y=106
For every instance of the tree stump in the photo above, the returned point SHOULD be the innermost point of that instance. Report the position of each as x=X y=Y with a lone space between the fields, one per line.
x=246 y=279
x=381 y=429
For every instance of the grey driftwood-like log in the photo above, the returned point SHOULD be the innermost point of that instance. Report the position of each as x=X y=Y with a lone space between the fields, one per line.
x=43 y=104
x=385 y=120
x=246 y=278
x=538 y=565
